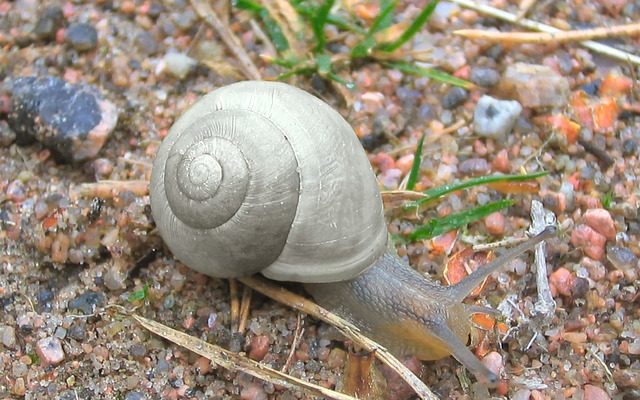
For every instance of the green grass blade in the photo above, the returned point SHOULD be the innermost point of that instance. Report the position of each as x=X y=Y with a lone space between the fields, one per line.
x=247 y=5
x=309 y=12
x=384 y=19
x=363 y=49
x=415 y=167
x=440 y=191
x=318 y=22
x=442 y=225
x=348 y=84
x=273 y=29
x=323 y=61
x=410 y=32
x=431 y=73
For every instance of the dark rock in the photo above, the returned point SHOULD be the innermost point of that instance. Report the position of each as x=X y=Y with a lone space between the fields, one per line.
x=629 y=147
x=49 y=22
x=44 y=298
x=146 y=43
x=485 y=77
x=592 y=88
x=87 y=302
x=82 y=37
x=77 y=332
x=73 y=121
x=155 y=10
x=454 y=97
x=372 y=142
x=579 y=288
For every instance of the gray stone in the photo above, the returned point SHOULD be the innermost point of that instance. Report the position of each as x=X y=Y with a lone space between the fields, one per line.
x=535 y=86
x=495 y=118
x=82 y=37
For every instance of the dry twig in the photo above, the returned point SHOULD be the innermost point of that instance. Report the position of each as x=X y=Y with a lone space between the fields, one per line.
x=234 y=312
x=307 y=306
x=296 y=336
x=236 y=362
x=245 y=306
x=208 y=15
x=537 y=26
x=540 y=219
x=110 y=189
x=551 y=37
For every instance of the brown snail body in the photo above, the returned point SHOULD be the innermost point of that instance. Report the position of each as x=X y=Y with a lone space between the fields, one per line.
x=263 y=177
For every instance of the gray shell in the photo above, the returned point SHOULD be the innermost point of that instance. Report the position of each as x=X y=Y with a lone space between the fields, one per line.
x=264 y=177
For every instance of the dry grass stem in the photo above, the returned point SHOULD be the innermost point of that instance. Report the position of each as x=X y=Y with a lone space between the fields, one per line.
x=257 y=29
x=245 y=307
x=110 y=189
x=296 y=337
x=208 y=15
x=551 y=37
x=524 y=7
x=309 y=307
x=234 y=312
x=236 y=362
x=537 y=26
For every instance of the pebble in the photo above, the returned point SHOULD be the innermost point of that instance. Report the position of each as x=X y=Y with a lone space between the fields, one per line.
x=495 y=118
x=60 y=248
x=485 y=77
x=390 y=178
x=87 y=302
x=454 y=97
x=494 y=363
x=535 y=85
x=8 y=336
x=501 y=162
x=114 y=278
x=7 y=135
x=592 y=392
x=253 y=391
x=81 y=36
x=134 y=396
x=48 y=23
x=77 y=332
x=259 y=347
x=624 y=260
x=50 y=351
x=397 y=388
x=591 y=242
x=562 y=280
x=146 y=43
x=178 y=64
x=495 y=223
x=16 y=191
x=474 y=167
x=629 y=147
x=71 y=120
x=600 y=220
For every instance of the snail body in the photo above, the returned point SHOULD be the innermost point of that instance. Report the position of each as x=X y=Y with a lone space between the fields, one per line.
x=262 y=177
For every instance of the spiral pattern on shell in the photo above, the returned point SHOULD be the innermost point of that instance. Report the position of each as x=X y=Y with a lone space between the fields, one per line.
x=242 y=184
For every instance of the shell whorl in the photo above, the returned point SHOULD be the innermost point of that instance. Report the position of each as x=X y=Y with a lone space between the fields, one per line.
x=263 y=177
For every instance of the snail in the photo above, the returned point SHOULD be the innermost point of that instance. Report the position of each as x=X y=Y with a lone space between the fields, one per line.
x=262 y=177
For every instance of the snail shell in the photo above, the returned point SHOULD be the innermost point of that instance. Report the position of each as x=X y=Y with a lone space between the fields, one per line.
x=263 y=177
